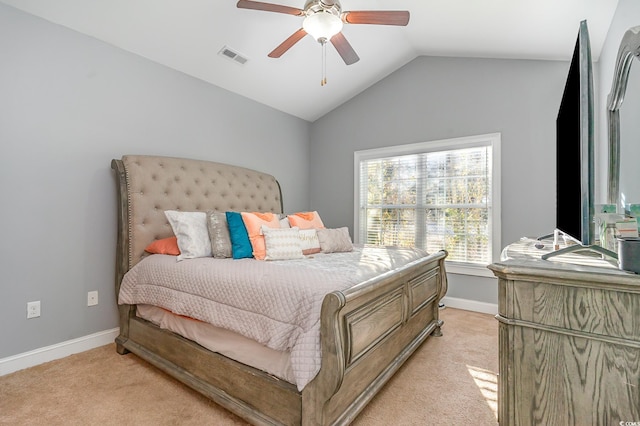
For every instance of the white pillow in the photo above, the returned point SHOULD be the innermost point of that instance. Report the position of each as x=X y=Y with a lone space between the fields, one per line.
x=282 y=243
x=309 y=241
x=190 y=228
x=284 y=222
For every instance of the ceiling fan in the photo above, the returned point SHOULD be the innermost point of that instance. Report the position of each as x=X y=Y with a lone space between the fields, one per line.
x=323 y=20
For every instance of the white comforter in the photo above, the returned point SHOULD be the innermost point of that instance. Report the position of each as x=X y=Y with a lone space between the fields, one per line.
x=276 y=303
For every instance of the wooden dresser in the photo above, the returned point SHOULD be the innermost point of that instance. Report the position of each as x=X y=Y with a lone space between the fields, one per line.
x=569 y=336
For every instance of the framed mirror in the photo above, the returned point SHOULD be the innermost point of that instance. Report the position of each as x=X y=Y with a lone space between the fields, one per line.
x=624 y=141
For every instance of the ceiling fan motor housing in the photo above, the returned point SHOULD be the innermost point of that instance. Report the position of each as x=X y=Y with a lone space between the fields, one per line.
x=327 y=6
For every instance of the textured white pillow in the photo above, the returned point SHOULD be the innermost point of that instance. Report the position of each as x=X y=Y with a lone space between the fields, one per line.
x=282 y=243
x=190 y=228
x=309 y=241
x=334 y=240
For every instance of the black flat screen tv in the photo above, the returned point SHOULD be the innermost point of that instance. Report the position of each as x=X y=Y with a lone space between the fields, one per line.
x=575 y=147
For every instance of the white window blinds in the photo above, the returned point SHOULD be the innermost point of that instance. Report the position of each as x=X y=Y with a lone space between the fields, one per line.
x=438 y=199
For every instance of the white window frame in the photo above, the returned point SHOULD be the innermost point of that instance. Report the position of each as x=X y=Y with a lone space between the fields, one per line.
x=491 y=139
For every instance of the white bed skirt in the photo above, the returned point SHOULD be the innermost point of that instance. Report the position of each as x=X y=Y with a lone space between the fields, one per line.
x=225 y=342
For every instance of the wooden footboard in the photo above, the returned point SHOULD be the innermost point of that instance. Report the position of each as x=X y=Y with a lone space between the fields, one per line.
x=367 y=333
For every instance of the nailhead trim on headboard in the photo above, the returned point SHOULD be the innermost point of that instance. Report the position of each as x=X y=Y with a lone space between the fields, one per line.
x=156 y=184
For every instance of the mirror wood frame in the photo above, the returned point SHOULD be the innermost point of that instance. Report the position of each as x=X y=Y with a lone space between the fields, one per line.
x=629 y=48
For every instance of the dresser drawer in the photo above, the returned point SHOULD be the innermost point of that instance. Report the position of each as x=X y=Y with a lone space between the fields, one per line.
x=598 y=311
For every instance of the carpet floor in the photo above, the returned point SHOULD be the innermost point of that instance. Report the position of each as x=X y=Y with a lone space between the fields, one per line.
x=448 y=380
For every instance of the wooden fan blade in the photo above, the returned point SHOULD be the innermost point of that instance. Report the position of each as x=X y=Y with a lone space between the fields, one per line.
x=269 y=7
x=377 y=17
x=349 y=56
x=288 y=43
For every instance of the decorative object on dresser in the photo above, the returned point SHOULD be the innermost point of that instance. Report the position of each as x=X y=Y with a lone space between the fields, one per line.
x=629 y=254
x=569 y=339
x=365 y=330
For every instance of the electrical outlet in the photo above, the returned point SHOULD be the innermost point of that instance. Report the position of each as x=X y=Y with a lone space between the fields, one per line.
x=92 y=298
x=33 y=309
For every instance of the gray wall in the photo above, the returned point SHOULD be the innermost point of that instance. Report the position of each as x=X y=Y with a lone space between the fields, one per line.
x=627 y=15
x=434 y=98
x=68 y=105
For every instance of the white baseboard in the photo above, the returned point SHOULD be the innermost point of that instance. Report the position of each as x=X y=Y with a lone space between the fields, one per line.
x=470 y=305
x=57 y=351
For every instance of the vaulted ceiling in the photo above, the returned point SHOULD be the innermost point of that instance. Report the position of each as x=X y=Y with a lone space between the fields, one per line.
x=188 y=35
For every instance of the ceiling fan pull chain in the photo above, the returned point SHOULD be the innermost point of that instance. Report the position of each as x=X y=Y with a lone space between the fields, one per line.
x=323 y=81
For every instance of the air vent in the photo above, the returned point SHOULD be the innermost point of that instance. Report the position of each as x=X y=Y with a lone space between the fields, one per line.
x=232 y=55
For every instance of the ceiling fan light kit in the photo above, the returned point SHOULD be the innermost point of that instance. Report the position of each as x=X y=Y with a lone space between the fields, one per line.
x=323 y=20
x=322 y=25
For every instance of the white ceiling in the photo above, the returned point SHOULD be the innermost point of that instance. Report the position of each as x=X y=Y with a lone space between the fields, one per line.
x=188 y=34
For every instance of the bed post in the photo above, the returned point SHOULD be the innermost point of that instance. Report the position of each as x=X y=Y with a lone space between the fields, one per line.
x=316 y=394
x=122 y=251
x=444 y=286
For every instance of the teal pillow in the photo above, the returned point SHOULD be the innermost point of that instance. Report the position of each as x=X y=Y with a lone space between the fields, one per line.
x=240 y=243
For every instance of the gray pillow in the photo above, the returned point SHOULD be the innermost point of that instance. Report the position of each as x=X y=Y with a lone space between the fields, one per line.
x=219 y=234
x=190 y=229
x=334 y=240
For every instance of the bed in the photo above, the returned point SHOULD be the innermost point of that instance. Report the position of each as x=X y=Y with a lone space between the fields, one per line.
x=365 y=330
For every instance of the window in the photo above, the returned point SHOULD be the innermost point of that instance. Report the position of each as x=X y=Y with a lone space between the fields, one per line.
x=433 y=195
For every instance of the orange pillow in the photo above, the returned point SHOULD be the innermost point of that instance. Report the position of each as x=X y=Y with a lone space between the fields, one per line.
x=164 y=246
x=306 y=220
x=253 y=222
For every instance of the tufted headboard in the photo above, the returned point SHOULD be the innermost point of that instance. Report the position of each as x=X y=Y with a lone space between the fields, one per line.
x=149 y=185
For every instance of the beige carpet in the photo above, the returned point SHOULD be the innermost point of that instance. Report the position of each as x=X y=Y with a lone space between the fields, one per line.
x=449 y=380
